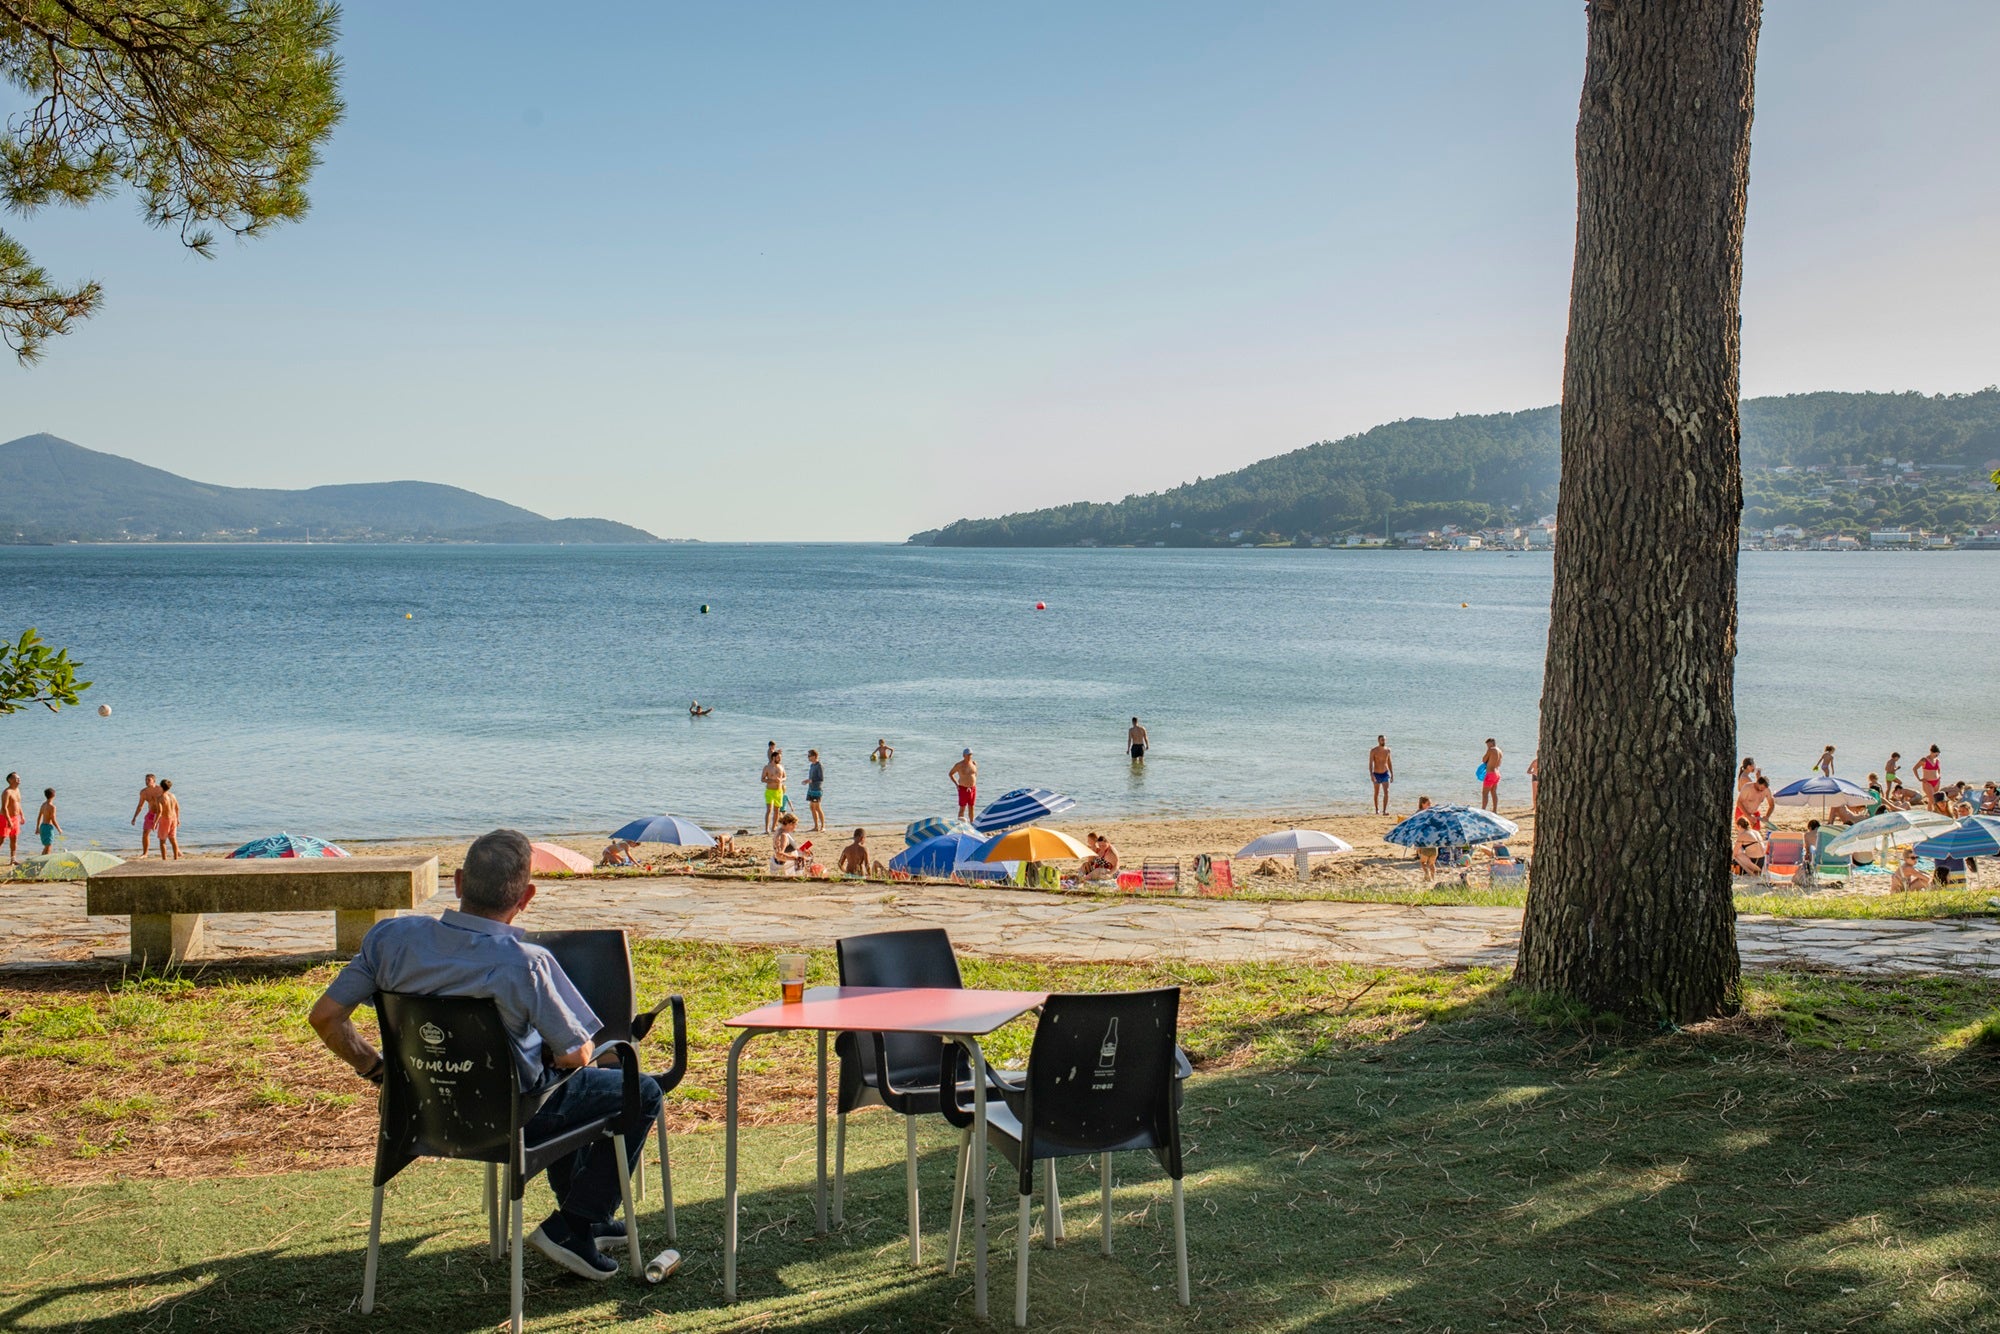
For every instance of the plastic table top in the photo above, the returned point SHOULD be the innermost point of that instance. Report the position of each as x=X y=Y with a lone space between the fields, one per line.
x=941 y=1011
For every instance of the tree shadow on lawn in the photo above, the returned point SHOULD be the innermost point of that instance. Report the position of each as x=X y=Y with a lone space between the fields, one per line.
x=1482 y=1173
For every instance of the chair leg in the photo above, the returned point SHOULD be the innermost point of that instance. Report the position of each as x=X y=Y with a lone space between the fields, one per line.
x=1052 y=1220
x=958 y=1200
x=1104 y=1200
x=374 y=1254
x=839 y=1169
x=633 y=1249
x=667 y=1181
x=910 y=1189
x=1021 y=1263
x=1180 y=1241
x=514 y=1272
x=493 y=1238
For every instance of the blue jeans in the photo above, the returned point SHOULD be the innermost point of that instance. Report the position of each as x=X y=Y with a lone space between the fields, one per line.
x=586 y=1183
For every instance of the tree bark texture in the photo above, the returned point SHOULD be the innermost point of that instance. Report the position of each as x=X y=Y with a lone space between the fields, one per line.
x=1629 y=906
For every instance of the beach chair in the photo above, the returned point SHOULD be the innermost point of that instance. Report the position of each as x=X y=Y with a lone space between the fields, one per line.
x=1160 y=876
x=1783 y=853
x=1826 y=863
x=1212 y=876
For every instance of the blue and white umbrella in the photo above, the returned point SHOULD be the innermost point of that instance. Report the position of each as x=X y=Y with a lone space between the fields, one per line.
x=1450 y=827
x=949 y=855
x=1974 y=836
x=1819 y=790
x=935 y=826
x=1889 y=829
x=665 y=829
x=1024 y=805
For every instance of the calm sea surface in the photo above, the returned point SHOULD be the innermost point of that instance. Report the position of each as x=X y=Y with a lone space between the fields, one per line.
x=359 y=692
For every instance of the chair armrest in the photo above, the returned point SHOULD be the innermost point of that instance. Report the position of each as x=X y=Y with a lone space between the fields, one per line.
x=959 y=1116
x=643 y=1024
x=1183 y=1068
x=626 y=1057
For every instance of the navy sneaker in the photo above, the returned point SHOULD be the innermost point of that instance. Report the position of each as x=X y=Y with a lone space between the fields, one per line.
x=609 y=1236
x=575 y=1252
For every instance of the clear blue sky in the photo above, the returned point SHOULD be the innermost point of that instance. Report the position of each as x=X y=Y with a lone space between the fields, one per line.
x=792 y=271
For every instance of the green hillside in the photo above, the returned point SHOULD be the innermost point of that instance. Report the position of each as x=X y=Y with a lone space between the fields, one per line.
x=1480 y=471
x=53 y=491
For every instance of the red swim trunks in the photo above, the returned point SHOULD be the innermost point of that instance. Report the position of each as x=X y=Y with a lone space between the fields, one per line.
x=1492 y=778
x=10 y=825
x=152 y=818
x=967 y=797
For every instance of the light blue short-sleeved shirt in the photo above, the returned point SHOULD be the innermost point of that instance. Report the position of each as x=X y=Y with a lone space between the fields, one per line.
x=463 y=955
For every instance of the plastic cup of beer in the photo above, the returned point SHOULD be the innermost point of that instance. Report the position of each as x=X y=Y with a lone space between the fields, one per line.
x=792 y=977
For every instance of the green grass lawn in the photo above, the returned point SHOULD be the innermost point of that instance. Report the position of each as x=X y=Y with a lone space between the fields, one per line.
x=1421 y=1151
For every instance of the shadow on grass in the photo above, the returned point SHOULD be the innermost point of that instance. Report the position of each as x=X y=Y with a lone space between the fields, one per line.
x=1484 y=1171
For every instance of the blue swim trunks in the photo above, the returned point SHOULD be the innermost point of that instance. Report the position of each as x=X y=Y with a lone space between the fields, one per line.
x=1382 y=778
x=47 y=833
x=812 y=794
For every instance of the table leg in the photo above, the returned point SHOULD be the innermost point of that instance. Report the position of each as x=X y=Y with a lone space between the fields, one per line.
x=819 y=1106
x=729 y=1169
x=978 y=1175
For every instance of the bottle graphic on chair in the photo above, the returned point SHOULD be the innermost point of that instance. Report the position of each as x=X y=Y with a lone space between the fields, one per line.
x=1107 y=1052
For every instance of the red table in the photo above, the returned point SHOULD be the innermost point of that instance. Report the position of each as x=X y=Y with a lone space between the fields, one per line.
x=963 y=1016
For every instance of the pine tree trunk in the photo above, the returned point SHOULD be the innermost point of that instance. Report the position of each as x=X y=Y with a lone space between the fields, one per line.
x=1629 y=906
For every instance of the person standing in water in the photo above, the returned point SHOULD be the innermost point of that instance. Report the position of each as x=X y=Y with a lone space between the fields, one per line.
x=966 y=775
x=149 y=803
x=1489 y=786
x=1137 y=741
x=882 y=752
x=1381 y=773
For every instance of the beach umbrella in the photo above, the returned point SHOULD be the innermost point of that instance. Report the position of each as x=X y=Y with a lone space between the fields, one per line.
x=1033 y=844
x=66 y=865
x=1889 y=829
x=1822 y=790
x=1974 y=836
x=1298 y=844
x=935 y=826
x=547 y=857
x=1024 y=805
x=948 y=855
x=665 y=829
x=1451 y=827
x=288 y=845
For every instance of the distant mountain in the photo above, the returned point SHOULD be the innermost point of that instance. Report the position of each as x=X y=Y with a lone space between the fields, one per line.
x=53 y=491
x=1488 y=470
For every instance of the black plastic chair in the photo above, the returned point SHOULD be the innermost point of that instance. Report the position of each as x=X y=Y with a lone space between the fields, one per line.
x=450 y=1089
x=898 y=1071
x=599 y=962
x=1104 y=1076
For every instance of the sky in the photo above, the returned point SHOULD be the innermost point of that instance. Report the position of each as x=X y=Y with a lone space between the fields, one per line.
x=791 y=272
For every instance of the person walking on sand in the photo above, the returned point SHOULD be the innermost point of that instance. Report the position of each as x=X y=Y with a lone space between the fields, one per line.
x=1489 y=786
x=774 y=787
x=149 y=803
x=1137 y=742
x=10 y=818
x=46 y=824
x=1930 y=773
x=1381 y=772
x=966 y=775
x=169 y=826
x=815 y=779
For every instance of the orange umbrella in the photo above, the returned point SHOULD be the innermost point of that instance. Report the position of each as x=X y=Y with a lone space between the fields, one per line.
x=1034 y=844
x=554 y=857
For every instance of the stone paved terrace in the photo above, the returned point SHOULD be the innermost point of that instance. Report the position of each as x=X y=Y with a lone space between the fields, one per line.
x=43 y=924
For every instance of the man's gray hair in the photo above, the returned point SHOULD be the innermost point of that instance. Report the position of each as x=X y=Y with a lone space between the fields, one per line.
x=496 y=871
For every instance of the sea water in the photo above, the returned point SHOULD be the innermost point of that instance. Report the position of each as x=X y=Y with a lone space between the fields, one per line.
x=373 y=692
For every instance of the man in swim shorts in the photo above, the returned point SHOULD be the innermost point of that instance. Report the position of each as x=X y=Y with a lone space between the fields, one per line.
x=774 y=787
x=149 y=802
x=966 y=775
x=10 y=817
x=1489 y=786
x=1137 y=741
x=1381 y=768
x=169 y=826
x=815 y=779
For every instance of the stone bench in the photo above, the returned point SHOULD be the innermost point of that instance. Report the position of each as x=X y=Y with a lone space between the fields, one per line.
x=165 y=900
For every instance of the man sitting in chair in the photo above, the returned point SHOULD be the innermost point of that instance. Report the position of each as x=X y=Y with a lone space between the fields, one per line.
x=477 y=951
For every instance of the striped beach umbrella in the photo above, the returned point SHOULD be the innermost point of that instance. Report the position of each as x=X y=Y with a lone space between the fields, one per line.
x=665 y=829
x=1974 y=836
x=935 y=826
x=288 y=845
x=1024 y=805
x=947 y=855
x=1450 y=827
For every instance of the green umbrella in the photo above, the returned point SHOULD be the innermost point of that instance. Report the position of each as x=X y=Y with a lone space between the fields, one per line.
x=66 y=865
